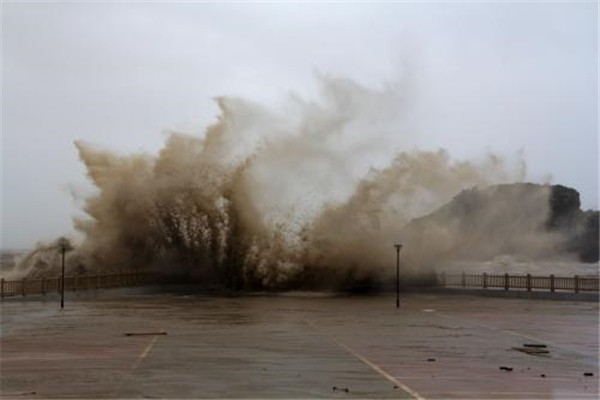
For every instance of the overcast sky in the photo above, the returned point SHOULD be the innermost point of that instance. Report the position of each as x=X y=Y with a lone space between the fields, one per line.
x=486 y=76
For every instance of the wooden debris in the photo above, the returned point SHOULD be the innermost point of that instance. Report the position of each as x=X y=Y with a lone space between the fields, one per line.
x=145 y=333
x=535 y=351
x=341 y=389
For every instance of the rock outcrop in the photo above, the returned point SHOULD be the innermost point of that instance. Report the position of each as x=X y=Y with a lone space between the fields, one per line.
x=522 y=218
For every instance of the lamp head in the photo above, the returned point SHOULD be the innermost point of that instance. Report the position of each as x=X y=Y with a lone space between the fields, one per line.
x=64 y=244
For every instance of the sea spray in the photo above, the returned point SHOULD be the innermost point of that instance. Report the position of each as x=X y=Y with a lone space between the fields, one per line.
x=309 y=197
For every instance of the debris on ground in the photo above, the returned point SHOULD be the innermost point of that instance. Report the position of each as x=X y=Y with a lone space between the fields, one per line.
x=588 y=374
x=535 y=345
x=534 y=351
x=431 y=359
x=506 y=368
x=341 y=389
x=145 y=333
x=19 y=394
x=543 y=375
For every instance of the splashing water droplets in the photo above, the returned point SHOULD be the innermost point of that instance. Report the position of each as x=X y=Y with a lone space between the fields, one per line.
x=309 y=196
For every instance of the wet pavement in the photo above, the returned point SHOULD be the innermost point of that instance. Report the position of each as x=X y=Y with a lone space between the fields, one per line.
x=296 y=346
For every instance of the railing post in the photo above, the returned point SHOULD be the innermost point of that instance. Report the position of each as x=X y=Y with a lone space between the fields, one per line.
x=485 y=280
x=463 y=279
x=2 y=287
x=576 y=283
x=552 y=282
x=23 y=287
x=506 y=281
x=443 y=279
x=529 y=282
x=44 y=285
x=96 y=281
x=75 y=283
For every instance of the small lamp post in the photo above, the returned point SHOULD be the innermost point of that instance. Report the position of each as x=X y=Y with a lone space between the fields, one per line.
x=398 y=247
x=64 y=246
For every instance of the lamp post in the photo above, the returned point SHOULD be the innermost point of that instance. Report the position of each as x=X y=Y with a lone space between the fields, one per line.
x=64 y=245
x=398 y=247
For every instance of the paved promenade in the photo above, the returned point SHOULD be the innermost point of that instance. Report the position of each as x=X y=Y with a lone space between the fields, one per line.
x=297 y=346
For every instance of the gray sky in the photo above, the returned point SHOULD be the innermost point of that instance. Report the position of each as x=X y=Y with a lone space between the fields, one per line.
x=503 y=77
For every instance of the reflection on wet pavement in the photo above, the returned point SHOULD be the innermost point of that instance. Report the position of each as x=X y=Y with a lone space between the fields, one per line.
x=297 y=346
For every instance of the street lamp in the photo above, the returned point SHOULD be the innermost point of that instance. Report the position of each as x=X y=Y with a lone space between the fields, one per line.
x=64 y=245
x=398 y=247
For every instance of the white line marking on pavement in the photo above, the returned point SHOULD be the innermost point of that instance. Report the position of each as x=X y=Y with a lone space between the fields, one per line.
x=389 y=377
x=144 y=353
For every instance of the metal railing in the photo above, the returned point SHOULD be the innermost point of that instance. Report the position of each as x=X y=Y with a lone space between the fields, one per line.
x=527 y=282
x=73 y=283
